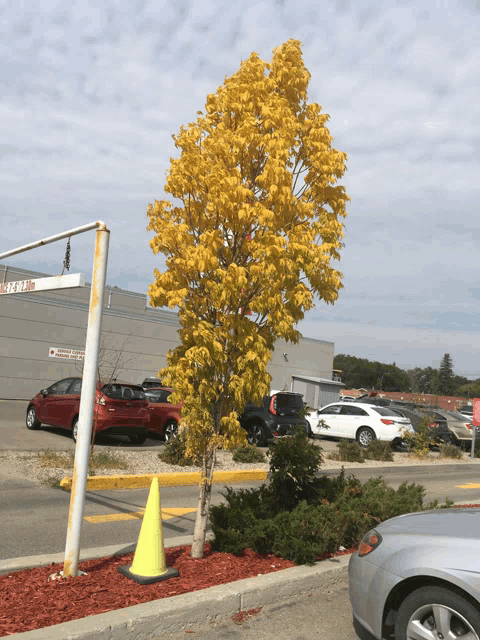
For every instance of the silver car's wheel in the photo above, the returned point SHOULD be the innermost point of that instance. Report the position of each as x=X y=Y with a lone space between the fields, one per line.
x=32 y=421
x=365 y=436
x=170 y=430
x=438 y=614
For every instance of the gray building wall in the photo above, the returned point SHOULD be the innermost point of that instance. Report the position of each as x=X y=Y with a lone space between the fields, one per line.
x=317 y=392
x=32 y=323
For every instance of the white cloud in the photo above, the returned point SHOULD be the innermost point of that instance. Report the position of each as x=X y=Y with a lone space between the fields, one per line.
x=91 y=95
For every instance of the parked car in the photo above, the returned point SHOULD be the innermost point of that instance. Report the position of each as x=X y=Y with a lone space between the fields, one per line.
x=418 y=576
x=361 y=422
x=120 y=408
x=151 y=383
x=278 y=416
x=164 y=416
x=458 y=425
x=438 y=429
x=379 y=402
x=466 y=410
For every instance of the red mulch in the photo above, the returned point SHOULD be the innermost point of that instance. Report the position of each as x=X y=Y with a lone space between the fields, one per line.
x=28 y=600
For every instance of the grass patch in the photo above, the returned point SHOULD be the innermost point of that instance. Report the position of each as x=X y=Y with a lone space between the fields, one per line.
x=107 y=460
x=247 y=454
x=55 y=459
x=98 y=460
x=450 y=451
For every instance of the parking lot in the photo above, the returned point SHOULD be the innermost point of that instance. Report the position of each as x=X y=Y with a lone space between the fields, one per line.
x=14 y=435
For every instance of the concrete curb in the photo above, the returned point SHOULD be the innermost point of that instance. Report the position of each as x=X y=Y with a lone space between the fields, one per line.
x=150 y=619
x=144 y=480
x=393 y=469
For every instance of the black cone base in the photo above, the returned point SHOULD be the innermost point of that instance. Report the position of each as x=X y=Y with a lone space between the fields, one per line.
x=169 y=573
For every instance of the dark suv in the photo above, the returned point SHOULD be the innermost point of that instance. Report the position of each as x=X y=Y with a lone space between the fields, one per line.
x=278 y=416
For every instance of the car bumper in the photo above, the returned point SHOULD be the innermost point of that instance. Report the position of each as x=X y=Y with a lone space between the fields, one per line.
x=368 y=587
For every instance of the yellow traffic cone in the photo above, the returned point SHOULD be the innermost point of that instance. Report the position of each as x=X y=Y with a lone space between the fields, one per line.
x=149 y=564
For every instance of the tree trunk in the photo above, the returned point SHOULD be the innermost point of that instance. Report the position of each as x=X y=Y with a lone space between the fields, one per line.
x=201 y=522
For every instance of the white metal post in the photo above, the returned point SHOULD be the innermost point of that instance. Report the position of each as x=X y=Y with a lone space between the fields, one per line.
x=87 y=400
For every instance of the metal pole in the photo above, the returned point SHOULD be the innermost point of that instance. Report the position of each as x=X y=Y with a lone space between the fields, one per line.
x=87 y=399
x=65 y=234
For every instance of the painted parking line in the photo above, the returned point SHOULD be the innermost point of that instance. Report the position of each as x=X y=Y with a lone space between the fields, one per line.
x=470 y=485
x=171 y=512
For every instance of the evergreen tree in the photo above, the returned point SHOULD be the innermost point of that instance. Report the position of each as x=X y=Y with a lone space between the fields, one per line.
x=446 y=378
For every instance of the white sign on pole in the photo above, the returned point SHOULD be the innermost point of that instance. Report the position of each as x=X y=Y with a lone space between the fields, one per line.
x=68 y=354
x=69 y=281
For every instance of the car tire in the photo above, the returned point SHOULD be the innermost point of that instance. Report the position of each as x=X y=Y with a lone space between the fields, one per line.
x=170 y=430
x=31 y=419
x=256 y=436
x=420 y=613
x=75 y=429
x=137 y=438
x=365 y=436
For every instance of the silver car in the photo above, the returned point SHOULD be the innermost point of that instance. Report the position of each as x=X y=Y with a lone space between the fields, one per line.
x=417 y=576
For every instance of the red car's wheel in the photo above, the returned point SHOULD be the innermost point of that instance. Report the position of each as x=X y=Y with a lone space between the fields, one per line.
x=170 y=430
x=31 y=420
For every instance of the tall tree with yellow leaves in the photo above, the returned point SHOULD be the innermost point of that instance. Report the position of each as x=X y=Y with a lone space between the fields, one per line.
x=249 y=240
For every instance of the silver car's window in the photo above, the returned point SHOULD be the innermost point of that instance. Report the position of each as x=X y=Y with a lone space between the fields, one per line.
x=456 y=416
x=335 y=408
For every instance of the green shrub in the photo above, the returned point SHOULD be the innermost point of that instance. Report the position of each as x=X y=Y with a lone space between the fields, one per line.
x=306 y=533
x=174 y=453
x=423 y=439
x=294 y=462
x=379 y=450
x=248 y=454
x=349 y=451
x=450 y=451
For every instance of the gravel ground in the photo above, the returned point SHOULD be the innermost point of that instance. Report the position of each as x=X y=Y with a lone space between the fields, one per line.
x=33 y=465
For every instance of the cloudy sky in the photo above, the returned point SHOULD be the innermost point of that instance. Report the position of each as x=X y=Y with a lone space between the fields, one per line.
x=90 y=93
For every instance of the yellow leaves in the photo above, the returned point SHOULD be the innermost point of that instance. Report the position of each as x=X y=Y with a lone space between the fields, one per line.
x=257 y=162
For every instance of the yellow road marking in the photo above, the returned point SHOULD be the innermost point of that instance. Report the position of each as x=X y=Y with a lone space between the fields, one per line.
x=170 y=512
x=470 y=485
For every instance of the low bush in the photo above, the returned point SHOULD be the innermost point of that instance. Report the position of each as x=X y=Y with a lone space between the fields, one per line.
x=450 y=451
x=174 y=453
x=299 y=515
x=421 y=441
x=294 y=462
x=248 y=454
x=379 y=450
x=349 y=451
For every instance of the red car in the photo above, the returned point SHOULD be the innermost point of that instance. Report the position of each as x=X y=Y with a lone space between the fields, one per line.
x=120 y=408
x=164 y=417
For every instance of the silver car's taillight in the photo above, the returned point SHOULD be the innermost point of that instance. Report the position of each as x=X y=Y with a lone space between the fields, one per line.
x=370 y=541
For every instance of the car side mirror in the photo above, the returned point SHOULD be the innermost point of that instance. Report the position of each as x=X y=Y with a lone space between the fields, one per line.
x=44 y=392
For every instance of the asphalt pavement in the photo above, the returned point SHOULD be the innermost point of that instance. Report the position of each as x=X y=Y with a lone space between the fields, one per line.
x=312 y=616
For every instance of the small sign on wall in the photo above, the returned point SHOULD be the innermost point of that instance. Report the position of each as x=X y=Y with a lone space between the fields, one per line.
x=66 y=354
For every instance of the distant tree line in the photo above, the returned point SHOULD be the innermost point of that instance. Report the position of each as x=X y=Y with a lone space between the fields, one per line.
x=360 y=373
